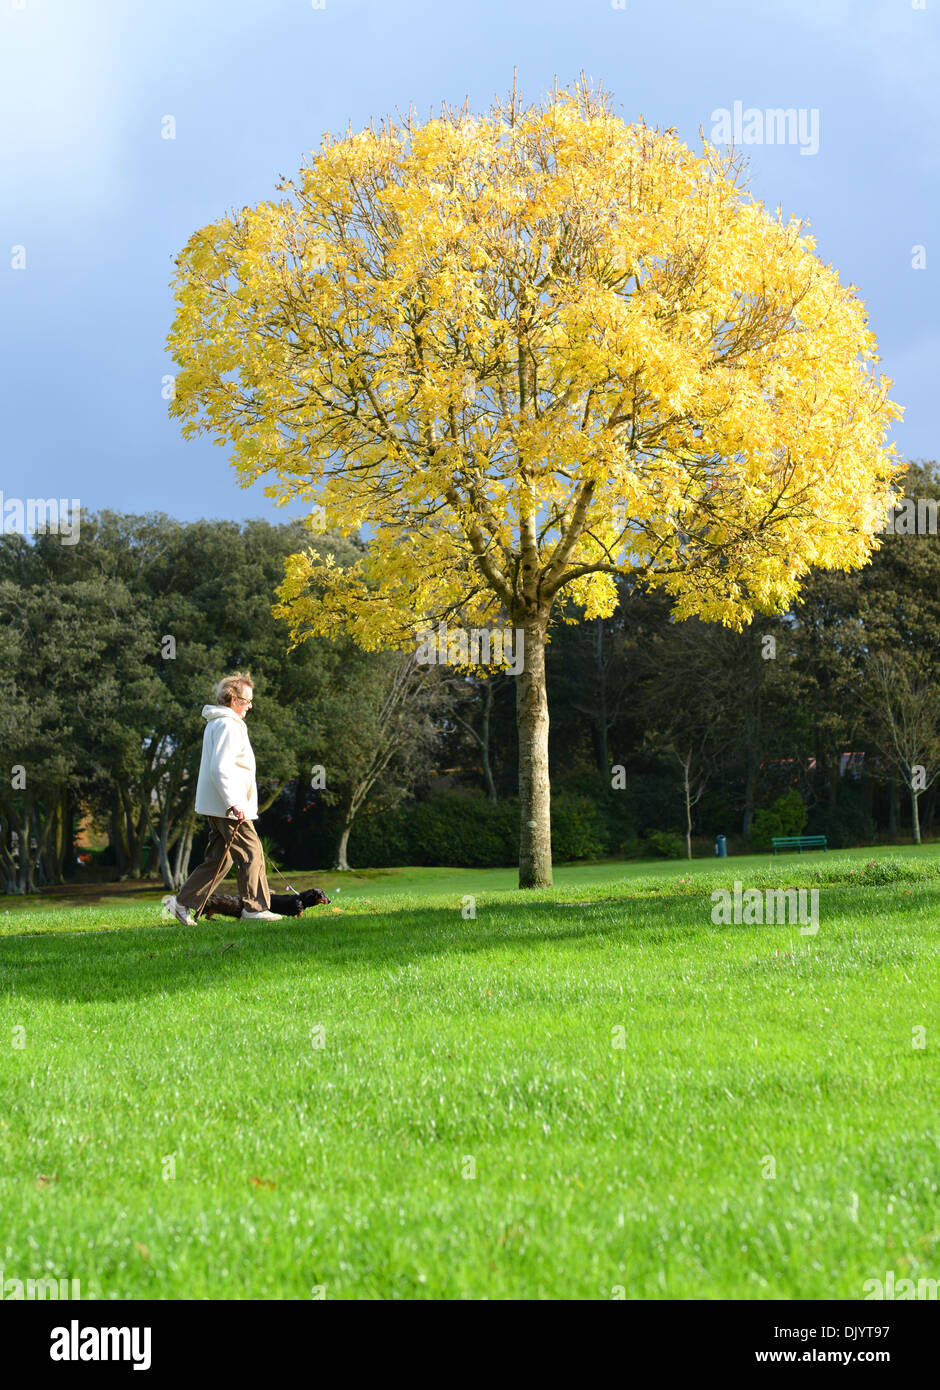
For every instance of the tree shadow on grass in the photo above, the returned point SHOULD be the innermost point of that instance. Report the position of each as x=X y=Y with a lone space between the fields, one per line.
x=134 y=963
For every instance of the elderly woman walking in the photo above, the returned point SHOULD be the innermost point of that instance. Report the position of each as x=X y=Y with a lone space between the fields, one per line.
x=227 y=795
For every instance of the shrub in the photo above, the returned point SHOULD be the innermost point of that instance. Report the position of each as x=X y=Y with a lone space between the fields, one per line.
x=468 y=830
x=629 y=848
x=578 y=830
x=657 y=798
x=787 y=816
x=666 y=844
x=377 y=841
x=847 y=823
x=716 y=815
x=617 y=811
x=792 y=812
x=465 y=830
x=448 y=829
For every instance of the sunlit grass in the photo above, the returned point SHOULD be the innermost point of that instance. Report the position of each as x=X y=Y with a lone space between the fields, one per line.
x=570 y=1092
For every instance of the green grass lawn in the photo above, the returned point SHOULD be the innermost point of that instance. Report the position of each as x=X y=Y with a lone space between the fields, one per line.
x=392 y=1100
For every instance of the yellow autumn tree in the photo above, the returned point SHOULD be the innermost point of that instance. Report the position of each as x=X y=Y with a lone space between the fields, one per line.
x=530 y=352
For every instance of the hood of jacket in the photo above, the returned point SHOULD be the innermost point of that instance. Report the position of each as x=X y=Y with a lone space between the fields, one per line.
x=210 y=712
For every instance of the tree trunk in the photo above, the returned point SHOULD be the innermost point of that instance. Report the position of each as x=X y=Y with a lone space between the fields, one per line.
x=38 y=879
x=485 y=741
x=141 y=833
x=117 y=836
x=820 y=780
x=133 y=853
x=55 y=842
x=750 y=791
x=7 y=859
x=163 y=856
x=535 y=830
x=342 y=858
x=915 y=816
x=688 y=806
x=184 y=847
x=133 y=831
x=66 y=865
x=601 y=720
x=25 y=882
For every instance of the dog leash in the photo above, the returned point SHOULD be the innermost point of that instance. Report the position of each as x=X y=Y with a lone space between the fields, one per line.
x=269 y=867
x=218 y=871
x=281 y=876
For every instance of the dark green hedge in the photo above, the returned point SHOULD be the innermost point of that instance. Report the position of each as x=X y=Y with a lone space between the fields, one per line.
x=456 y=829
x=849 y=822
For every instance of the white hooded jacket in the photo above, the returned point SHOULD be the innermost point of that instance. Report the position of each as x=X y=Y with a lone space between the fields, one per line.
x=227 y=770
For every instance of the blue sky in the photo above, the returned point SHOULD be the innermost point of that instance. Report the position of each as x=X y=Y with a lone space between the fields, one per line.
x=102 y=203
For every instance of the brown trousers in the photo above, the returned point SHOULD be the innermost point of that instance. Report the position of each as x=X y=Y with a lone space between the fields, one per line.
x=248 y=855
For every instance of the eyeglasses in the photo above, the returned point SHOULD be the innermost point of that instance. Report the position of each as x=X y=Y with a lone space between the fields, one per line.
x=242 y=701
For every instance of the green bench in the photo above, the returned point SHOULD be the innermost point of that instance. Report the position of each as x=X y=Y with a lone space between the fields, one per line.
x=799 y=842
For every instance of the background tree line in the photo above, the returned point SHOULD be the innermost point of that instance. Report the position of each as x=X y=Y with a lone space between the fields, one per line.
x=110 y=648
x=825 y=719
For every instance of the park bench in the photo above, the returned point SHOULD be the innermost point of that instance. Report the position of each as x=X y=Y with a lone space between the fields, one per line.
x=799 y=842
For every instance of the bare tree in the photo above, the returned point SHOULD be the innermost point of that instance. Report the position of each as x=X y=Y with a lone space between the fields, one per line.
x=688 y=695
x=695 y=769
x=602 y=687
x=390 y=745
x=484 y=689
x=905 y=717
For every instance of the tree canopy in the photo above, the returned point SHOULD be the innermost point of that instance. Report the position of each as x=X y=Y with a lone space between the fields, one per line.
x=533 y=352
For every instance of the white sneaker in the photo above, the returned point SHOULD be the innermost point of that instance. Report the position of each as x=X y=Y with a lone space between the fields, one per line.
x=247 y=916
x=181 y=913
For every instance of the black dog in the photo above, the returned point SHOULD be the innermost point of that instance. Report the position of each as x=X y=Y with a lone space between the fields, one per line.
x=287 y=904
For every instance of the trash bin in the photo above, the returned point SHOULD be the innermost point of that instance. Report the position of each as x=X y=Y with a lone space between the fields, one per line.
x=721 y=847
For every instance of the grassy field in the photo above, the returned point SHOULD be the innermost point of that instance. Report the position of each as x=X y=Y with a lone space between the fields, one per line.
x=577 y=1092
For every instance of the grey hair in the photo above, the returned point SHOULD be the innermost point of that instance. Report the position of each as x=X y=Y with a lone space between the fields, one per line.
x=230 y=686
